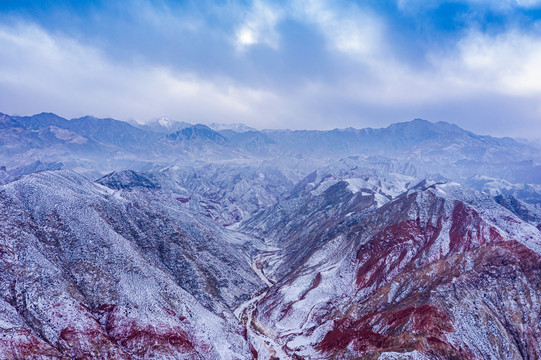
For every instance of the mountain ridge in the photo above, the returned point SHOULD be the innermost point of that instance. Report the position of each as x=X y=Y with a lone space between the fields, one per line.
x=416 y=241
x=436 y=149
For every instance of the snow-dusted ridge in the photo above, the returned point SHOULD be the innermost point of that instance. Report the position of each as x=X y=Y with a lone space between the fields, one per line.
x=183 y=241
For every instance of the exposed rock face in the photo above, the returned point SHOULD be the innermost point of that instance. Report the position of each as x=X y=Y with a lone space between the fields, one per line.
x=439 y=273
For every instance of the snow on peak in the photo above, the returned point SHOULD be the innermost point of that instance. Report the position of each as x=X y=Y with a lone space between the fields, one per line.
x=236 y=127
x=165 y=122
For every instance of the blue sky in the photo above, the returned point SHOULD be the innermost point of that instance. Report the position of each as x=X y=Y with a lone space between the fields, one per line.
x=277 y=64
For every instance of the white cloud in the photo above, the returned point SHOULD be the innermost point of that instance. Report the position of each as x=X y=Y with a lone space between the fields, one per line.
x=39 y=72
x=44 y=72
x=508 y=63
x=347 y=29
x=259 y=25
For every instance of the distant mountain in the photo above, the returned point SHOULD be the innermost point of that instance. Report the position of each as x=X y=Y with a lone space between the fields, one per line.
x=8 y=122
x=237 y=127
x=165 y=125
x=434 y=148
x=43 y=120
x=198 y=132
x=197 y=143
x=417 y=148
x=418 y=140
x=254 y=142
x=112 y=132
x=107 y=131
x=24 y=141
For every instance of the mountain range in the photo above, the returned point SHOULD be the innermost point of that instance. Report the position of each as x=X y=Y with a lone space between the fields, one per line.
x=173 y=240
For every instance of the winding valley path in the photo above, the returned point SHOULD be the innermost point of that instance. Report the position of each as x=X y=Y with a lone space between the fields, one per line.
x=261 y=339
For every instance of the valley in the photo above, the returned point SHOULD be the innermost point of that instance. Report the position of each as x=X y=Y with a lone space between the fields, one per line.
x=131 y=242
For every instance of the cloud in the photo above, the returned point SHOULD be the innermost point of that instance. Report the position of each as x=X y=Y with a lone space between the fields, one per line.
x=40 y=72
x=322 y=65
x=259 y=25
x=347 y=29
x=509 y=63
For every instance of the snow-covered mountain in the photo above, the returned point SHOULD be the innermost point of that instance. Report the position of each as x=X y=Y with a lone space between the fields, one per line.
x=185 y=241
x=237 y=127
x=420 y=148
x=440 y=272
x=95 y=272
x=165 y=125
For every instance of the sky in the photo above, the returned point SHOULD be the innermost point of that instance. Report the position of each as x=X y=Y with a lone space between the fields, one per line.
x=300 y=64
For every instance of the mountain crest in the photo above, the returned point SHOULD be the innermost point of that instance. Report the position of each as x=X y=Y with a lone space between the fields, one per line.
x=198 y=132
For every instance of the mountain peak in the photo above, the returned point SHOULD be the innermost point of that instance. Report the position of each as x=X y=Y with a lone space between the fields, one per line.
x=128 y=179
x=198 y=132
x=165 y=125
x=165 y=122
x=7 y=122
x=421 y=121
x=49 y=115
x=236 y=127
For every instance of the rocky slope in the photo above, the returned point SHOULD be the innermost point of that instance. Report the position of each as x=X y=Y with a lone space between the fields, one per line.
x=96 y=273
x=320 y=206
x=179 y=241
x=351 y=264
x=438 y=273
x=224 y=193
